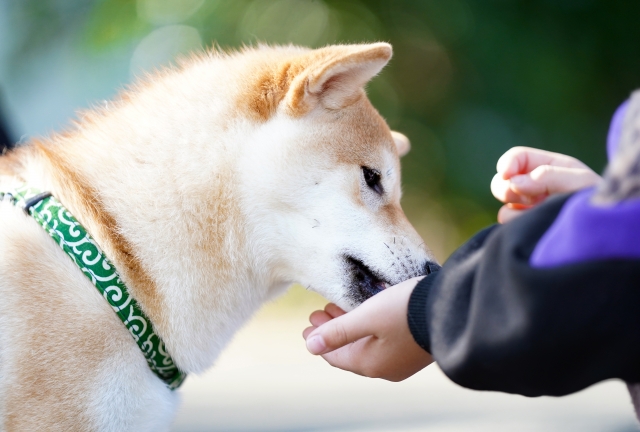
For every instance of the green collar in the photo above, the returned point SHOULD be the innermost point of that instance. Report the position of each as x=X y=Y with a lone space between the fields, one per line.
x=85 y=253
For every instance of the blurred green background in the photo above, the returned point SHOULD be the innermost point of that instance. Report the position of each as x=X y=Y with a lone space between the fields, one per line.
x=469 y=78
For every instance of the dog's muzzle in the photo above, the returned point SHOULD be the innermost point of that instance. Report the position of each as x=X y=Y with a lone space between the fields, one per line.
x=365 y=282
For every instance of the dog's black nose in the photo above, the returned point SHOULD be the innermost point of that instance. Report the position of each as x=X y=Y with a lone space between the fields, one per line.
x=430 y=267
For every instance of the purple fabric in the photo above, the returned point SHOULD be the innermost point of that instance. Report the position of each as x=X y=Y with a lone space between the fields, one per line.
x=584 y=232
x=615 y=129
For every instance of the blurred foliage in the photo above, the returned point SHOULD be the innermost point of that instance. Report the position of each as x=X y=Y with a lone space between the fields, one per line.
x=469 y=78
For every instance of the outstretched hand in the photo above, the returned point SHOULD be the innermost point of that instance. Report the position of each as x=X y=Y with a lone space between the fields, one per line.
x=373 y=340
x=526 y=176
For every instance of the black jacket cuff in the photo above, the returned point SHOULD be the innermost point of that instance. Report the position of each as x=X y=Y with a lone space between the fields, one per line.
x=417 y=313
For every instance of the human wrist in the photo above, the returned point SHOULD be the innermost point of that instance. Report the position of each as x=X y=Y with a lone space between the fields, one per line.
x=417 y=312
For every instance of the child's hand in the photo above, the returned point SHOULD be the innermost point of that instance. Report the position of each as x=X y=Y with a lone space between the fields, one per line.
x=373 y=340
x=527 y=176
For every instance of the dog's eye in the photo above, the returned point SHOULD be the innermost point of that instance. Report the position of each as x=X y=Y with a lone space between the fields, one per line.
x=372 y=179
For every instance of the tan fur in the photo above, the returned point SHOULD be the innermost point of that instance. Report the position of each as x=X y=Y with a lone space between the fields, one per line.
x=77 y=193
x=270 y=87
x=212 y=187
x=353 y=147
x=271 y=82
x=45 y=394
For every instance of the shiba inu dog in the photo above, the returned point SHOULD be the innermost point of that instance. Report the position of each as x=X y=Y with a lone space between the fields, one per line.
x=211 y=187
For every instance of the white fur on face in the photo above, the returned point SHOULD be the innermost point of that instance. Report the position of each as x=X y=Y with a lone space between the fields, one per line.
x=315 y=214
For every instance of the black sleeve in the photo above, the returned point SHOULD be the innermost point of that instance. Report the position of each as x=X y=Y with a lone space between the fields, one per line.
x=493 y=322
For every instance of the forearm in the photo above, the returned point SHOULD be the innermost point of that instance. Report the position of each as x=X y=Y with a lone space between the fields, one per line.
x=493 y=322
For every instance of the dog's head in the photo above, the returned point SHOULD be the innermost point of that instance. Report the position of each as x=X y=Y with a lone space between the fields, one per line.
x=325 y=178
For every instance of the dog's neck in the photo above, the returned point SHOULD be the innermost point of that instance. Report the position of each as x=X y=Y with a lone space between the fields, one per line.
x=185 y=253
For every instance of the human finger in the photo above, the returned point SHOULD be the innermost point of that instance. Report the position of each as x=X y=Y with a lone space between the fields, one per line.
x=549 y=180
x=383 y=310
x=501 y=189
x=521 y=160
x=373 y=357
x=510 y=211
x=317 y=318
x=341 y=331
x=352 y=357
x=334 y=310
x=307 y=331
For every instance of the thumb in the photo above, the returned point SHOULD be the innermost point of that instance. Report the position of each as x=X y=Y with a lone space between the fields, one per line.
x=549 y=180
x=339 y=332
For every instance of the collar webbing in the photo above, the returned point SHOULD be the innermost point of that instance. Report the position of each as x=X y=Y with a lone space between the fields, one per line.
x=87 y=255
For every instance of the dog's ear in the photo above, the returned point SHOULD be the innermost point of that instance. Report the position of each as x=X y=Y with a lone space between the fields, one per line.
x=335 y=76
x=402 y=143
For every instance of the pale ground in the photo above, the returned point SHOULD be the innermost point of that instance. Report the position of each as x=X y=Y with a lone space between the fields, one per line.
x=266 y=381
